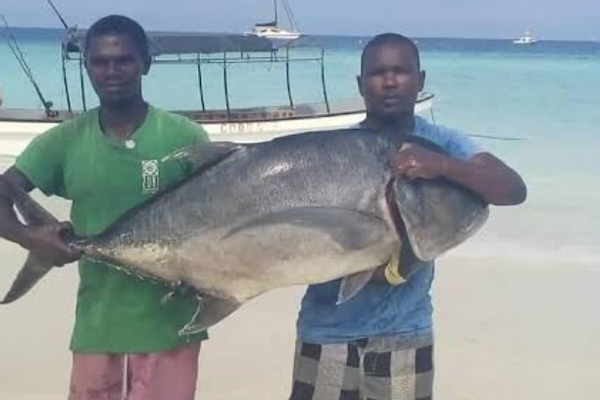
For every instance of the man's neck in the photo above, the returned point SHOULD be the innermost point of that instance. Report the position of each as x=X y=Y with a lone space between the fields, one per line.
x=120 y=121
x=403 y=124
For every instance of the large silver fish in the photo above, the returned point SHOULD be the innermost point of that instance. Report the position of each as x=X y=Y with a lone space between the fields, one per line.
x=301 y=209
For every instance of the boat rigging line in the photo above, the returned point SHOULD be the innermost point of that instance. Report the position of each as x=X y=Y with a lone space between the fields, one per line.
x=70 y=33
x=290 y=15
x=16 y=50
x=506 y=138
x=491 y=137
x=62 y=20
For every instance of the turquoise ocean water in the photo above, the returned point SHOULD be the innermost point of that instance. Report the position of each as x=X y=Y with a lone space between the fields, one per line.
x=547 y=95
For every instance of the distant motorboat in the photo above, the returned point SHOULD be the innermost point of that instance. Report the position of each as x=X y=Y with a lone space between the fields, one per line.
x=527 y=38
x=271 y=29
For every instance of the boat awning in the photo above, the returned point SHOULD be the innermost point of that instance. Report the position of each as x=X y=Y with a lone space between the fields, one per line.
x=270 y=24
x=164 y=44
x=206 y=44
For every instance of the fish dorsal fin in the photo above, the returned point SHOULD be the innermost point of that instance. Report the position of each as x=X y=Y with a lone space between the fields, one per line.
x=205 y=155
x=32 y=212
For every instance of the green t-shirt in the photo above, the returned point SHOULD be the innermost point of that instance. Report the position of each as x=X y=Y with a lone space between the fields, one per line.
x=116 y=313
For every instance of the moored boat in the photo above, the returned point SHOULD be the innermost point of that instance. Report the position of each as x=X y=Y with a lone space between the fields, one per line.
x=19 y=126
x=272 y=30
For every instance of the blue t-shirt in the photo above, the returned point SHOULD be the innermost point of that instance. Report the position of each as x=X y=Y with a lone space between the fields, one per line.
x=379 y=309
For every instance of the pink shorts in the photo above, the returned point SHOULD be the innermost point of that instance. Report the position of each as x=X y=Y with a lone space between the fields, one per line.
x=163 y=375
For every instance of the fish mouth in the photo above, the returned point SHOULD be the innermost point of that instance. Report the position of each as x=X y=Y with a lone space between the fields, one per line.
x=394 y=211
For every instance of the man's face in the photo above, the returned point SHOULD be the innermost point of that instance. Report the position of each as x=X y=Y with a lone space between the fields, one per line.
x=115 y=68
x=390 y=81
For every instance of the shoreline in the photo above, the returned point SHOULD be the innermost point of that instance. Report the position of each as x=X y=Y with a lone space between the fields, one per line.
x=519 y=332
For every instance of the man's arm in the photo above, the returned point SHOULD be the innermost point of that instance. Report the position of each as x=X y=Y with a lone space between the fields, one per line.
x=44 y=240
x=484 y=174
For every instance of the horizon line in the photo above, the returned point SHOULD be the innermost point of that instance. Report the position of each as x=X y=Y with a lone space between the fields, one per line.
x=360 y=36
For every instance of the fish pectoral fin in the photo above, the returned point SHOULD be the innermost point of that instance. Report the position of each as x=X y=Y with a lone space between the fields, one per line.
x=205 y=155
x=353 y=230
x=352 y=284
x=33 y=270
x=210 y=310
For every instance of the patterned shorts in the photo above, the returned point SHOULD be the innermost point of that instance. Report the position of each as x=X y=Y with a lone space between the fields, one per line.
x=386 y=368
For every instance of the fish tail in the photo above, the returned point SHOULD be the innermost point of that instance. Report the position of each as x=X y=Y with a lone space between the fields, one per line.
x=34 y=268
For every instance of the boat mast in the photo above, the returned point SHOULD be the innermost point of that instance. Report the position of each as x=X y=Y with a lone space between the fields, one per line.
x=275 y=8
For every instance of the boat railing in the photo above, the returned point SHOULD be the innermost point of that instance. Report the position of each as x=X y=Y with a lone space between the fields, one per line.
x=33 y=115
x=304 y=110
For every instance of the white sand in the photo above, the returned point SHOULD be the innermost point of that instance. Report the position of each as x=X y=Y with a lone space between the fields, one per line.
x=518 y=325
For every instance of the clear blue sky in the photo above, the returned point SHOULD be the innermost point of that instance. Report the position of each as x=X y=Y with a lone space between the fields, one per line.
x=549 y=19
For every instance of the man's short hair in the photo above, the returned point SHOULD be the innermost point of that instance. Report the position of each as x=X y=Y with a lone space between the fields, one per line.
x=120 y=25
x=389 y=39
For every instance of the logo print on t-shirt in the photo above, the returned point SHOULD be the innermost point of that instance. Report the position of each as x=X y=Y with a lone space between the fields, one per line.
x=150 y=182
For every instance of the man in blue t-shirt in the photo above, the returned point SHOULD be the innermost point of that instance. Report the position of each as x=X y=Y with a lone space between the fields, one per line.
x=379 y=344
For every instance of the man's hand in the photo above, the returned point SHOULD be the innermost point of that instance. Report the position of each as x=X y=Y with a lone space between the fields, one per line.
x=413 y=161
x=483 y=173
x=48 y=243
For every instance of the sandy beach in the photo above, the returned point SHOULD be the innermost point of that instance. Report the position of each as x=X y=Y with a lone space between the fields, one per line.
x=510 y=325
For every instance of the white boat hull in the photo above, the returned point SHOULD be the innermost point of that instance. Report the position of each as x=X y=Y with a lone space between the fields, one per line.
x=16 y=135
x=281 y=35
x=521 y=41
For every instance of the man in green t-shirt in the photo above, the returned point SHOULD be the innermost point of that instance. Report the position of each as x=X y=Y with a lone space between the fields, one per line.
x=106 y=161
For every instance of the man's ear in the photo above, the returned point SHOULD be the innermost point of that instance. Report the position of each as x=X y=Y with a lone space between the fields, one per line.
x=147 y=64
x=359 y=83
x=422 y=80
